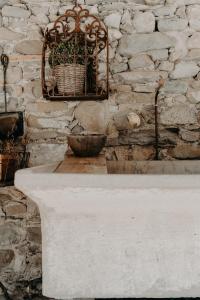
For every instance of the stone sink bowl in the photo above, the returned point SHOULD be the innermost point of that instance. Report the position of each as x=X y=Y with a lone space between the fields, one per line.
x=118 y=236
x=86 y=145
x=11 y=124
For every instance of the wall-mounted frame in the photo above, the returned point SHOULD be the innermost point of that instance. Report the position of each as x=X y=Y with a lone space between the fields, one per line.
x=75 y=58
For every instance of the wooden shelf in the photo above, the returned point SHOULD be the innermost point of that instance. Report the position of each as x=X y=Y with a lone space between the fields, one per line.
x=87 y=165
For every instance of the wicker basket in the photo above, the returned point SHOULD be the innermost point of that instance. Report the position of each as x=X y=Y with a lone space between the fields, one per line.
x=70 y=78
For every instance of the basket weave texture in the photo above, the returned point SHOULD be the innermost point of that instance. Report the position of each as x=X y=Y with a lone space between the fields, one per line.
x=70 y=78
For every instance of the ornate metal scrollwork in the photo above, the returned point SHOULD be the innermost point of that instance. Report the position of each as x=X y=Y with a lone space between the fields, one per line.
x=89 y=35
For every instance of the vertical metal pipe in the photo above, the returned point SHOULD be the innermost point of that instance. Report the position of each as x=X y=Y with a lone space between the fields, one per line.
x=75 y=62
x=160 y=84
x=53 y=71
x=107 y=48
x=86 y=63
x=4 y=62
x=156 y=125
x=43 y=75
x=96 y=64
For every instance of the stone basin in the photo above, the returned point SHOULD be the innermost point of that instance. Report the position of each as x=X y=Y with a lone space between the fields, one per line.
x=118 y=236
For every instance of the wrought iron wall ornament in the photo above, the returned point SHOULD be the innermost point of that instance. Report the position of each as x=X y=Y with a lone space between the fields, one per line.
x=4 y=62
x=72 y=51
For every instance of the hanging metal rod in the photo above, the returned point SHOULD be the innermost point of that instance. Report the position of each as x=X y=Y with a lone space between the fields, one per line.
x=161 y=82
x=4 y=62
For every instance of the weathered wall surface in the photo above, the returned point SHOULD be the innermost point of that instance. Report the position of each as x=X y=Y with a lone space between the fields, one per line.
x=148 y=39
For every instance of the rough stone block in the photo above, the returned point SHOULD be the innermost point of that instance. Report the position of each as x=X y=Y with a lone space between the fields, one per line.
x=193 y=12
x=34 y=234
x=135 y=100
x=174 y=24
x=9 y=35
x=154 y=2
x=15 y=12
x=114 y=34
x=143 y=153
x=29 y=47
x=138 y=77
x=118 y=67
x=141 y=61
x=166 y=66
x=15 y=210
x=144 y=22
x=159 y=54
x=194 y=41
x=175 y=87
x=189 y=136
x=184 y=70
x=50 y=107
x=186 y=151
x=178 y=114
x=132 y=137
x=35 y=121
x=91 y=116
x=10 y=234
x=6 y=257
x=44 y=153
x=136 y=43
x=3 y=2
x=113 y=20
x=194 y=95
x=14 y=75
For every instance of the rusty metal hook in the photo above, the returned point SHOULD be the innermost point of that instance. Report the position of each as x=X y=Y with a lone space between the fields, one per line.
x=4 y=61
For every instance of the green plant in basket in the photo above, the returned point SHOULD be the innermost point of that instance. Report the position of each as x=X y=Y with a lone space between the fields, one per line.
x=67 y=52
x=70 y=61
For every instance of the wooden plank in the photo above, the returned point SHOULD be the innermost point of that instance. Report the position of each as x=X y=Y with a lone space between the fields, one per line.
x=88 y=165
x=173 y=167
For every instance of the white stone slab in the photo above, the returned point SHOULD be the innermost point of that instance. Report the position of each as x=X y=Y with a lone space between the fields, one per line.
x=117 y=236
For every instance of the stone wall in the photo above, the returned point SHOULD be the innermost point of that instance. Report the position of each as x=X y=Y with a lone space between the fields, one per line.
x=20 y=246
x=148 y=39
